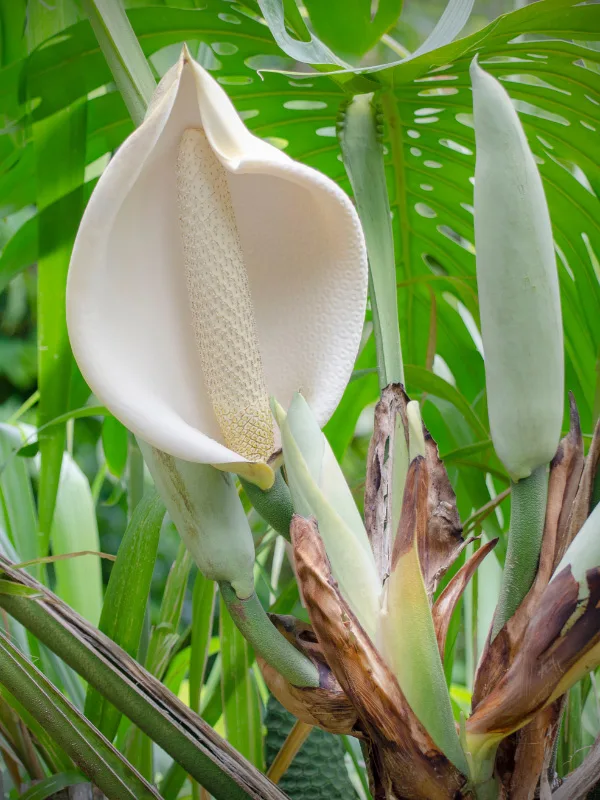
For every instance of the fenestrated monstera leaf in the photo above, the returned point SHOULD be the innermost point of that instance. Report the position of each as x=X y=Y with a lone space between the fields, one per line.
x=426 y=112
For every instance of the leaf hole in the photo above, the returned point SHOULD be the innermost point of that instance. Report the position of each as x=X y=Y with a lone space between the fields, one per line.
x=563 y=260
x=434 y=265
x=328 y=131
x=436 y=78
x=231 y=18
x=426 y=187
x=235 y=80
x=260 y=61
x=277 y=142
x=465 y=119
x=537 y=111
x=424 y=210
x=438 y=91
x=224 y=48
x=426 y=112
x=458 y=148
x=455 y=237
x=416 y=152
x=413 y=134
x=304 y=105
x=432 y=164
x=532 y=80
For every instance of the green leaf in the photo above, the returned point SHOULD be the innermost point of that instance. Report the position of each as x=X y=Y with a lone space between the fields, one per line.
x=123 y=54
x=349 y=27
x=115 y=439
x=203 y=605
x=310 y=52
x=53 y=784
x=164 y=635
x=17 y=505
x=241 y=704
x=126 y=597
x=427 y=381
x=319 y=489
x=8 y=587
x=105 y=767
x=184 y=736
x=408 y=640
x=59 y=149
x=74 y=528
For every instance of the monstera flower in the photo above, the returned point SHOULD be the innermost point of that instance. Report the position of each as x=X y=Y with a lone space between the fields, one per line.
x=210 y=272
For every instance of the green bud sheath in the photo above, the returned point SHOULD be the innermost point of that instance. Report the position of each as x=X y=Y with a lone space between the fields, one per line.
x=518 y=288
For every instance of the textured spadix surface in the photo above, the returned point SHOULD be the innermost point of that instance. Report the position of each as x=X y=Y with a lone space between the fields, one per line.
x=517 y=281
x=211 y=271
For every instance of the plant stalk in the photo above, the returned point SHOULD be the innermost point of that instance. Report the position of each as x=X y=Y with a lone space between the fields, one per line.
x=255 y=626
x=527 y=516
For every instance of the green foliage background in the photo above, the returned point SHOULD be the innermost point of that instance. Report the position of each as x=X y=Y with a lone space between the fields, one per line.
x=62 y=118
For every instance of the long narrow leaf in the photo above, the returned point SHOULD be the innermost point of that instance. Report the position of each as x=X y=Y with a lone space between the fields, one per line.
x=54 y=783
x=89 y=749
x=182 y=734
x=17 y=506
x=241 y=705
x=123 y=54
x=60 y=158
x=126 y=597
x=74 y=527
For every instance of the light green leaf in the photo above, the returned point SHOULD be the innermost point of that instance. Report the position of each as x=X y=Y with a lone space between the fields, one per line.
x=241 y=704
x=203 y=605
x=123 y=54
x=74 y=528
x=406 y=636
x=319 y=489
x=115 y=438
x=17 y=507
x=59 y=150
x=165 y=635
x=583 y=552
x=126 y=596
x=53 y=784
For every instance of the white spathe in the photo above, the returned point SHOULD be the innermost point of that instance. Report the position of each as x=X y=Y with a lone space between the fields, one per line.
x=210 y=274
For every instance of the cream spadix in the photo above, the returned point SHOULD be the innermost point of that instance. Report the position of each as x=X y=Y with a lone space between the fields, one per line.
x=518 y=289
x=209 y=272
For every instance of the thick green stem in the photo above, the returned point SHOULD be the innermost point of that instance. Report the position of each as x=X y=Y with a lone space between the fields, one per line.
x=274 y=505
x=362 y=151
x=256 y=627
x=527 y=515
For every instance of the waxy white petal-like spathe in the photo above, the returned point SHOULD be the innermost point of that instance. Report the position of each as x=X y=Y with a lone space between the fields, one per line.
x=517 y=281
x=211 y=271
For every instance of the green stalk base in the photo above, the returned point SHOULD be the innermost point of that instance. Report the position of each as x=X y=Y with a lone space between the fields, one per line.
x=527 y=516
x=255 y=626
